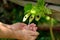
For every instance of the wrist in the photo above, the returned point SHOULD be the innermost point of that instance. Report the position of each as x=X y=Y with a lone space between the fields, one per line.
x=5 y=31
x=11 y=34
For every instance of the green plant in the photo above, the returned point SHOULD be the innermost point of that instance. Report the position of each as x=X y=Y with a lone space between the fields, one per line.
x=38 y=12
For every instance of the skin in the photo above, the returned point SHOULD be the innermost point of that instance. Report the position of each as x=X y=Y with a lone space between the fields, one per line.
x=19 y=31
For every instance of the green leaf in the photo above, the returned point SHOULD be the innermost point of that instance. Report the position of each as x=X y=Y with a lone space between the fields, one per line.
x=53 y=21
x=47 y=11
x=27 y=7
x=40 y=2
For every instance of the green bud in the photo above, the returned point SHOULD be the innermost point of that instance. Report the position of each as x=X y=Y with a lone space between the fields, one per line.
x=31 y=18
x=26 y=17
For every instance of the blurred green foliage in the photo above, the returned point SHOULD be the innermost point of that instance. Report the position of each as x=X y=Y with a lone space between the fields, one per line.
x=38 y=12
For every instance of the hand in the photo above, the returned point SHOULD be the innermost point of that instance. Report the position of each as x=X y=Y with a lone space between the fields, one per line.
x=22 y=31
x=21 y=26
x=25 y=32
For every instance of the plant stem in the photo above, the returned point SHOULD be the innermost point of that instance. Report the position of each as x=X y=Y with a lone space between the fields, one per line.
x=51 y=30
